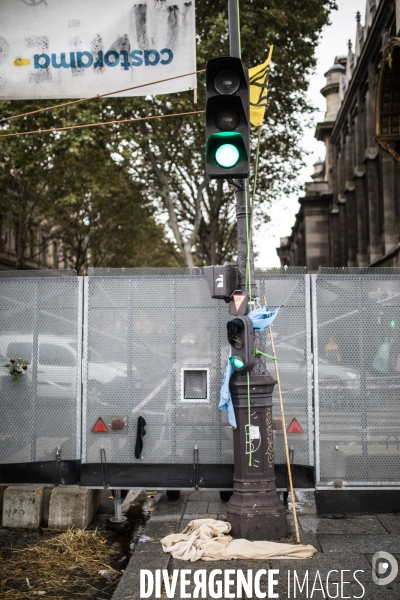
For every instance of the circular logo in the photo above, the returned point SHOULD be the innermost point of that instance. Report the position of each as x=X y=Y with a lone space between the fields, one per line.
x=384 y=568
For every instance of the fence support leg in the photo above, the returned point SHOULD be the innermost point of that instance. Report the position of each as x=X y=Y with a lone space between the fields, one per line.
x=118 y=516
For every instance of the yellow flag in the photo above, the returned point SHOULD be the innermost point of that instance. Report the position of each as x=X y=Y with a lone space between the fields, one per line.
x=259 y=90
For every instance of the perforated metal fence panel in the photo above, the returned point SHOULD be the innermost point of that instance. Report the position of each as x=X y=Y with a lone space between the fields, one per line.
x=292 y=339
x=356 y=339
x=155 y=345
x=41 y=322
x=158 y=341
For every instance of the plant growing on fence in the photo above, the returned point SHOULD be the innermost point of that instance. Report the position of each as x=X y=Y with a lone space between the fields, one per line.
x=16 y=368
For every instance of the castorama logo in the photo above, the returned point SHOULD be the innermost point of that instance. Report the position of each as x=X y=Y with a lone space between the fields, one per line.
x=112 y=58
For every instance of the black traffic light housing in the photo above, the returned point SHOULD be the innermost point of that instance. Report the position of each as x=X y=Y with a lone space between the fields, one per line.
x=222 y=280
x=227 y=119
x=241 y=338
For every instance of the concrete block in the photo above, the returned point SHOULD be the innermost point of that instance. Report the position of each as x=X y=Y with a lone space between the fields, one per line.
x=72 y=507
x=46 y=505
x=22 y=506
x=2 y=488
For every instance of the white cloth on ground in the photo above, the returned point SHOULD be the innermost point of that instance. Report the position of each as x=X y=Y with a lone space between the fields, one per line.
x=205 y=539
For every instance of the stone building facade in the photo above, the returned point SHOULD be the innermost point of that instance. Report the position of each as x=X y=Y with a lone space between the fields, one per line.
x=349 y=215
x=42 y=252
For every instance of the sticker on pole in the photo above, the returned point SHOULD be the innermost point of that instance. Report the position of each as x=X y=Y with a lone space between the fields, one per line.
x=100 y=426
x=239 y=303
x=255 y=432
x=295 y=427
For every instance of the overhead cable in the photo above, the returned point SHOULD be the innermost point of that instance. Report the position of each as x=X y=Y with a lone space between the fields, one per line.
x=39 y=110
x=101 y=124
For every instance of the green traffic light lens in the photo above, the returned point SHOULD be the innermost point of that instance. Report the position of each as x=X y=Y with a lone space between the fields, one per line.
x=392 y=324
x=227 y=156
x=236 y=362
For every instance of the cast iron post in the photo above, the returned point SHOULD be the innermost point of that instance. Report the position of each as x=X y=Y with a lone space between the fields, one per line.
x=254 y=511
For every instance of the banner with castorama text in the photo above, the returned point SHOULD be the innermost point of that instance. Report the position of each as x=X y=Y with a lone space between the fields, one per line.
x=81 y=48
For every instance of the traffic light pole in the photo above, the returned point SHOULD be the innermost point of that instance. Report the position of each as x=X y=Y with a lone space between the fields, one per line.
x=255 y=511
x=240 y=192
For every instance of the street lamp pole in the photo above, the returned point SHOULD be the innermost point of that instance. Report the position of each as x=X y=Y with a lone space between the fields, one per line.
x=254 y=511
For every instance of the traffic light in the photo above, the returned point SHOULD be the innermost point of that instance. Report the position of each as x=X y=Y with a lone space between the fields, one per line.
x=227 y=119
x=241 y=338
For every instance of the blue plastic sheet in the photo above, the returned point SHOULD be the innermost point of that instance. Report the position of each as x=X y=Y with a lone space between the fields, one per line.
x=225 y=402
x=261 y=317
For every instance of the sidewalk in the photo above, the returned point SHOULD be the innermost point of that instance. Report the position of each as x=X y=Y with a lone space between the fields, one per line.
x=346 y=544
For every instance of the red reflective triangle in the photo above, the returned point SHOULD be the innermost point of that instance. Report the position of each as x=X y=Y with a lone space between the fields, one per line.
x=100 y=426
x=238 y=300
x=295 y=427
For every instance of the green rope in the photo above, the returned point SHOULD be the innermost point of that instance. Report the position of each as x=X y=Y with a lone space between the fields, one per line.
x=238 y=23
x=248 y=234
x=248 y=415
x=263 y=354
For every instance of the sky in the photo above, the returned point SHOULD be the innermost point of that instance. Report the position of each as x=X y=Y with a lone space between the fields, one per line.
x=333 y=43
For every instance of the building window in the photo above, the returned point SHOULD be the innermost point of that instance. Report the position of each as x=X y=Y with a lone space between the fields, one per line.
x=55 y=255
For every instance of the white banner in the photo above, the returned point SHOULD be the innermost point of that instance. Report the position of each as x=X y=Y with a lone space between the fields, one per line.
x=80 y=48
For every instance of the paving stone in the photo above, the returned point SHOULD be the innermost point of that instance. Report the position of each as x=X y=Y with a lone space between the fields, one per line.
x=391 y=523
x=129 y=586
x=350 y=525
x=188 y=519
x=378 y=592
x=308 y=523
x=217 y=507
x=160 y=530
x=204 y=495
x=197 y=507
x=166 y=518
x=331 y=589
x=310 y=538
x=342 y=544
x=360 y=543
x=369 y=556
x=199 y=516
x=166 y=509
x=325 y=562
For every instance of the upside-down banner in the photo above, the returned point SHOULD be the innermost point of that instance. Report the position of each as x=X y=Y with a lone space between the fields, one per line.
x=80 y=48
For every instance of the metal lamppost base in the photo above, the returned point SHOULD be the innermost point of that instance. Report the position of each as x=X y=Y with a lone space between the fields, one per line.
x=257 y=516
x=254 y=511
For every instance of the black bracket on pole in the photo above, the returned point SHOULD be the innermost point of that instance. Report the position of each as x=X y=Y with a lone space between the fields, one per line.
x=237 y=183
